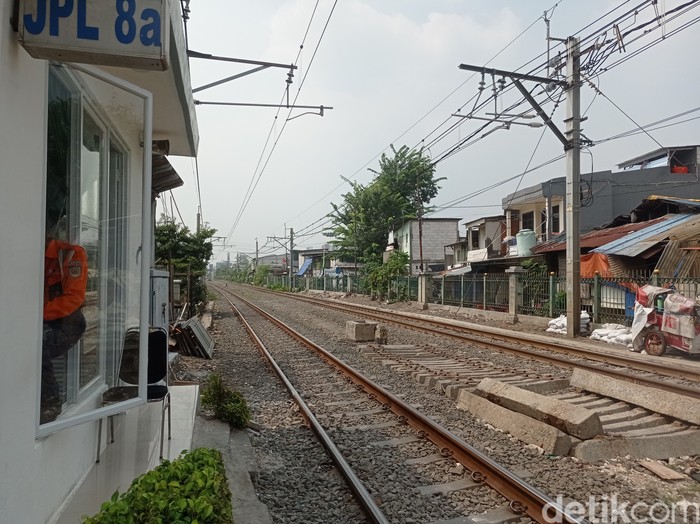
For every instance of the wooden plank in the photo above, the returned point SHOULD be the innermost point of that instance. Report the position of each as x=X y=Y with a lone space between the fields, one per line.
x=662 y=471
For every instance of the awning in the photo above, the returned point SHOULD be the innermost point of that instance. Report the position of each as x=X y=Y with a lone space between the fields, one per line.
x=307 y=263
x=164 y=175
x=458 y=271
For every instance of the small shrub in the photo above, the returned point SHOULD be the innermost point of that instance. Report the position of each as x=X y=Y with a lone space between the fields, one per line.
x=191 y=489
x=228 y=405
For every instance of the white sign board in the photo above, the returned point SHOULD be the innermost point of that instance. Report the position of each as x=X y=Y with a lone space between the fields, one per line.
x=123 y=33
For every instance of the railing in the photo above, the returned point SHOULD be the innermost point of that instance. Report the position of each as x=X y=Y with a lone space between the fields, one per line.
x=606 y=299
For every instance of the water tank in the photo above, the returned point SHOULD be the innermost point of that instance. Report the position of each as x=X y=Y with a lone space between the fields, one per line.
x=525 y=240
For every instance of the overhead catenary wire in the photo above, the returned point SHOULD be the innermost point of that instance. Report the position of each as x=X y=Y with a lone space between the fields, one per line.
x=251 y=190
x=591 y=36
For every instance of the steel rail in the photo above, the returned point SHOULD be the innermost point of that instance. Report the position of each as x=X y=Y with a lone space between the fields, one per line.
x=524 y=498
x=474 y=335
x=366 y=501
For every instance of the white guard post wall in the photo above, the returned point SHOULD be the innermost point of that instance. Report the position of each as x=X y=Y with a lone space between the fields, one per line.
x=39 y=473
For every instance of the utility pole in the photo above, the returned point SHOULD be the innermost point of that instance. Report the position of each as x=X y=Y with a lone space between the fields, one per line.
x=255 y=266
x=573 y=189
x=571 y=140
x=323 y=266
x=287 y=253
x=291 y=254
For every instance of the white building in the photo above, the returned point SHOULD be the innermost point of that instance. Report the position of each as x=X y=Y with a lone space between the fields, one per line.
x=427 y=238
x=77 y=156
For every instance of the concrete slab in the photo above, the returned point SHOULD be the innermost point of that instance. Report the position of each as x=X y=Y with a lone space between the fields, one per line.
x=574 y=420
x=360 y=331
x=241 y=467
x=546 y=386
x=664 y=402
x=650 y=421
x=522 y=427
x=654 y=447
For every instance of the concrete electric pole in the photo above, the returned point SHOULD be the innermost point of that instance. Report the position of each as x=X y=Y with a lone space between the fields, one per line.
x=571 y=140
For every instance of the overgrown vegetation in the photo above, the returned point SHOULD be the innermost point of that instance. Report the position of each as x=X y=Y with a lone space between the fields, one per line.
x=190 y=489
x=228 y=405
x=380 y=275
x=188 y=254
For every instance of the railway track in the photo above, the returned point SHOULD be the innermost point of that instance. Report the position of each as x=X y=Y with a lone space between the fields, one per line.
x=629 y=422
x=622 y=365
x=375 y=437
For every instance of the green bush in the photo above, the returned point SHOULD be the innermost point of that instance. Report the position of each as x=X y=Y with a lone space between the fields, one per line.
x=190 y=489
x=227 y=405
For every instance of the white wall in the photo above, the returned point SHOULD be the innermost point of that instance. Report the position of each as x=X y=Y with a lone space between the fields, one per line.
x=37 y=473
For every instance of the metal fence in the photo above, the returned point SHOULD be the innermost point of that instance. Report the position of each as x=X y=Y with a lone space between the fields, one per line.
x=606 y=299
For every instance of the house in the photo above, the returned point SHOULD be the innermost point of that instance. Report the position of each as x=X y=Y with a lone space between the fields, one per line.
x=278 y=263
x=425 y=240
x=484 y=239
x=658 y=228
x=605 y=195
x=85 y=131
x=312 y=262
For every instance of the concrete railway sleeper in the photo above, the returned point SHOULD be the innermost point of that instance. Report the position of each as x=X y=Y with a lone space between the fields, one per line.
x=623 y=365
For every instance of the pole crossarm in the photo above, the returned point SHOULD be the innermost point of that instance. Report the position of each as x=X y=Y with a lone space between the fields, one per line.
x=244 y=104
x=512 y=74
x=207 y=56
x=228 y=79
x=548 y=121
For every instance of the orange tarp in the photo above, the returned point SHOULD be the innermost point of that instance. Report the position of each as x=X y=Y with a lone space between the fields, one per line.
x=592 y=262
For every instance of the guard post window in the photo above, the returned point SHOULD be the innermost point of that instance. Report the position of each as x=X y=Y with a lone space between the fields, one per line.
x=94 y=235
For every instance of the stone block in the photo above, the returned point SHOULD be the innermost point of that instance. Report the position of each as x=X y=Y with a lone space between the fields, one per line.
x=360 y=331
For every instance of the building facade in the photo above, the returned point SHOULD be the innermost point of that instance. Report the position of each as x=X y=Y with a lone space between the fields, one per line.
x=425 y=242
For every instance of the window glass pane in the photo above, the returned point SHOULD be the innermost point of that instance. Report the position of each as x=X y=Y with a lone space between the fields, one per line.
x=93 y=248
x=65 y=270
x=91 y=168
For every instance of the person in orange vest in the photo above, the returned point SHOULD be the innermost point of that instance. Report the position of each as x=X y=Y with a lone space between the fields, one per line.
x=65 y=282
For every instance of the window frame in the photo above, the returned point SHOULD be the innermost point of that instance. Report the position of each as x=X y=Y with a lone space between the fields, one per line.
x=82 y=411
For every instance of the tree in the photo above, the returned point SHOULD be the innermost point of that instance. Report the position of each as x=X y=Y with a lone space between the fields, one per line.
x=403 y=186
x=187 y=253
x=380 y=275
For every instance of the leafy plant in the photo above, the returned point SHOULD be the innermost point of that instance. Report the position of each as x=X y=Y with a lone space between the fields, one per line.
x=228 y=405
x=190 y=489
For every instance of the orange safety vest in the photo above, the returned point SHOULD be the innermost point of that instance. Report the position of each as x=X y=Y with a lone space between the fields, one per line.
x=65 y=279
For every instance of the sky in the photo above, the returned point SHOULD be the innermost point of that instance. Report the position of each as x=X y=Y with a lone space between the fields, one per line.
x=389 y=69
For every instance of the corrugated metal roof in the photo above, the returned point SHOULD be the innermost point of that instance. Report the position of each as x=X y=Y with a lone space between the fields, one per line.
x=595 y=238
x=164 y=176
x=638 y=242
x=690 y=202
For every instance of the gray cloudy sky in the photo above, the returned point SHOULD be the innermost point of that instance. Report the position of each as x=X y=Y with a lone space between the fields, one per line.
x=389 y=68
